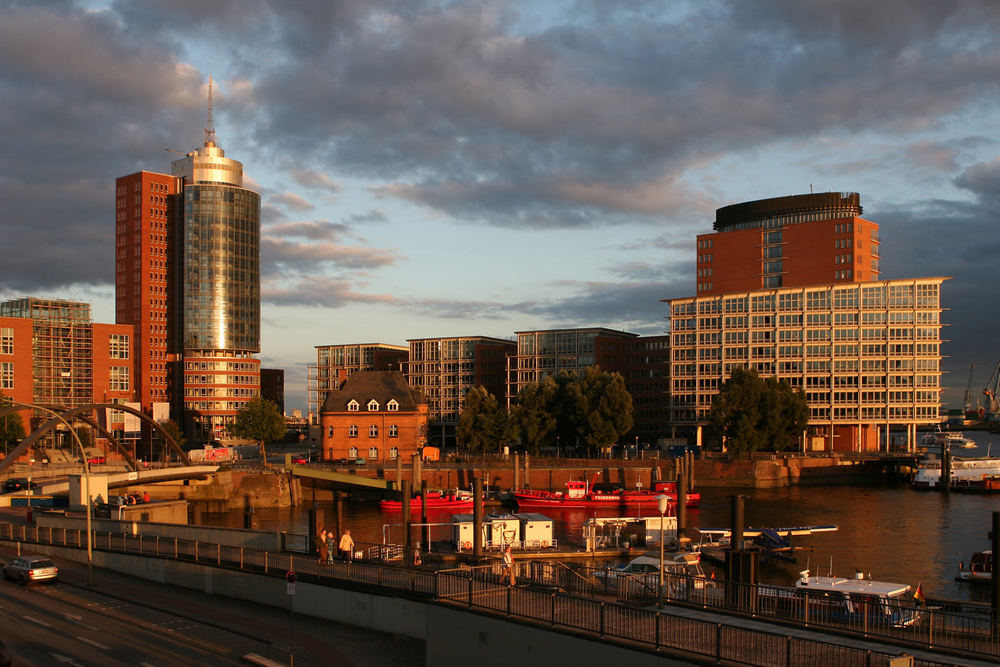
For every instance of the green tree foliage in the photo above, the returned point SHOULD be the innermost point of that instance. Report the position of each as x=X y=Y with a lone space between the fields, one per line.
x=754 y=414
x=593 y=410
x=174 y=431
x=261 y=421
x=11 y=428
x=483 y=424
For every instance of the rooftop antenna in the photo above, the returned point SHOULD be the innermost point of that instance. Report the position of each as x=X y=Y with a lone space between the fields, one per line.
x=210 y=129
x=210 y=111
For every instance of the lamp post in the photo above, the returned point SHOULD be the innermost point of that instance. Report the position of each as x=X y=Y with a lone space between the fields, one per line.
x=31 y=467
x=86 y=476
x=661 y=504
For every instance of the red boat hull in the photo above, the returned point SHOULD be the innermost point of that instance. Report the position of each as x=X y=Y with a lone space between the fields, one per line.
x=545 y=499
x=433 y=504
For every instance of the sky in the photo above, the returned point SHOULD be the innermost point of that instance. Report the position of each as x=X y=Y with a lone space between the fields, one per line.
x=480 y=168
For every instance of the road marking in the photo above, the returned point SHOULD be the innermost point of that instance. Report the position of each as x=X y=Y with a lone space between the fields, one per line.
x=35 y=620
x=62 y=658
x=79 y=621
x=93 y=643
x=146 y=664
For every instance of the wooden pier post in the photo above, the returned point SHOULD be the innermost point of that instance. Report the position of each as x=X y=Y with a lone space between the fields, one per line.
x=477 y=517
x=407 y=540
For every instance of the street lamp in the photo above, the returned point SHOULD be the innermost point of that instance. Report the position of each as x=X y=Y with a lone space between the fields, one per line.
x=661 y=504
x=86 y=476
x=31 y=466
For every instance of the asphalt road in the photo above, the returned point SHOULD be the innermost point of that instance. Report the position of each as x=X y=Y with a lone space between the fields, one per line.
x=121 y=620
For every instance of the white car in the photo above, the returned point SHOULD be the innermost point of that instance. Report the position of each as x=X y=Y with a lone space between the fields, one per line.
x=29 y=569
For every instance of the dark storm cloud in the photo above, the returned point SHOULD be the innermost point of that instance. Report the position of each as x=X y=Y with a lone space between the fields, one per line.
x=573 y=124
x=956 y=238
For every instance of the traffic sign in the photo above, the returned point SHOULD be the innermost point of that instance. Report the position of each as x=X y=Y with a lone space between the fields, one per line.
x=290 y=576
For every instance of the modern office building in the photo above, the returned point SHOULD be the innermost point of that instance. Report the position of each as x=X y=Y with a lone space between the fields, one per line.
x=272 y=386
x=374 y=415
x=188 y=278
x=445 y=369
x=52 y=354
x=336 y=363
x=788 y=242
x=643 y=362
x=867 y=355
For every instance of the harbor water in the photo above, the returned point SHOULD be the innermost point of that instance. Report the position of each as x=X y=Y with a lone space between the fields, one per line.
x=892 y=533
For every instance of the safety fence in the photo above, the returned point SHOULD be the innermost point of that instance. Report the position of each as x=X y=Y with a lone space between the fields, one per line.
x=546 y=594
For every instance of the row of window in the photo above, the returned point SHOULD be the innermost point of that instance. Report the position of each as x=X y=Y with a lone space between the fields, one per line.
x=373 y=406
x=868 y=297
x=352 y=431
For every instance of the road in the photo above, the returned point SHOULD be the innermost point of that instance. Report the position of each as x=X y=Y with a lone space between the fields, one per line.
x=121 y=620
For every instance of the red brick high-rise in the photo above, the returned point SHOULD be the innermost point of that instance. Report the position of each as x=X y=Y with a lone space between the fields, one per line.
x=791 y=241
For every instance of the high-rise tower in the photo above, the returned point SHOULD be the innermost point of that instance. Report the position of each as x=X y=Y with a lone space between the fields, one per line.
x=188 y=276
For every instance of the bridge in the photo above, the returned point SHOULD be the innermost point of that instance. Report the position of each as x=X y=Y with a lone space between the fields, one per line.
x=337 y=480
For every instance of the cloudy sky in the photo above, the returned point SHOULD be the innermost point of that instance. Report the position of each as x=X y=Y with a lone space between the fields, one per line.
x=460 y=168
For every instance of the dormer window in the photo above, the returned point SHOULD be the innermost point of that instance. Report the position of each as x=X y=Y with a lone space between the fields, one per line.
x=393 y=405
x=353 y=406
x=373 y=405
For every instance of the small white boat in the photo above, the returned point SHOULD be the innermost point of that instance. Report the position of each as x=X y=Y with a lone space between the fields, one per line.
x=954 y=439
x=851 y=599
x=978 y=569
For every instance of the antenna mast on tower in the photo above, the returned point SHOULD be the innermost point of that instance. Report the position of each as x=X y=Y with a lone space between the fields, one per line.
x=210 y=129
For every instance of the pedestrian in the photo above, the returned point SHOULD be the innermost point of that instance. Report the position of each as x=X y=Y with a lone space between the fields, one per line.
x=145 y=496
x=321 y=548
x=331 y=546
x=508 y=564
x=347 y=546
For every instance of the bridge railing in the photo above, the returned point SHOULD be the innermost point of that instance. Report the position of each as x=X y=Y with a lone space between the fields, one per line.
x=536 y=598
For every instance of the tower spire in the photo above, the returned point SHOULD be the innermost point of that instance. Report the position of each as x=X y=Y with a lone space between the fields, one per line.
x=210 y=127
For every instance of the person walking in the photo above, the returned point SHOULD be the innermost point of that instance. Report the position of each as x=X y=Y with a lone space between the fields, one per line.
x=321 y=549
x=331 y=545
x=508 y=564
x=347 y=546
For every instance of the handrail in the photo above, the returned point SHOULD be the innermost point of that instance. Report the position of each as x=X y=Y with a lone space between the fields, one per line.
x=614 y=622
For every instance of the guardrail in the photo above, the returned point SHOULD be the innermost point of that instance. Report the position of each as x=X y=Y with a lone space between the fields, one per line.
x=547 y=594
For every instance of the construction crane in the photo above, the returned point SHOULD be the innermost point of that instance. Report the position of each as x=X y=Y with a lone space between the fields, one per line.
x=968 y=392
x=990 y=391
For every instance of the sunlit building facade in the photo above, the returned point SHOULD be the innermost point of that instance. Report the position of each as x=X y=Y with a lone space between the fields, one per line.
x=867 y=355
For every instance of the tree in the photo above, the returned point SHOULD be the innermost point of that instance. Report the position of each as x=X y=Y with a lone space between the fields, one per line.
x=594 y=410
x=754 y=414
x=174 y=431
x=258 y=420
x=483 y=424
x=11 y=428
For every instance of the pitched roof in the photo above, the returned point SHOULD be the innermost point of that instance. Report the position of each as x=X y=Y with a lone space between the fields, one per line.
x=363 y=386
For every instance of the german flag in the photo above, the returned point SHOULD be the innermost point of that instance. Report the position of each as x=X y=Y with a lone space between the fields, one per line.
x=918 y=594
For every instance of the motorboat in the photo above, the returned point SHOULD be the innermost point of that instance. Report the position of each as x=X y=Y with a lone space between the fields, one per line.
x=643 y=571
x=579 y=495
x=953 y=439
x=978 y=569
x=858 y=598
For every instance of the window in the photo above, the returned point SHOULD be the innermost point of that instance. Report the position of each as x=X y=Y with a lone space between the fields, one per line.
x=393 y=431
x=7 y=375
x=353 y=406
x=329 y=431
x=6 y=341
x=393 y=453
x=393 y=405
x=352 y=431
x=373 y=431
x=373 y=453
x=118 y=346
x=352 y=453
x=119 y=378
x=373 y=405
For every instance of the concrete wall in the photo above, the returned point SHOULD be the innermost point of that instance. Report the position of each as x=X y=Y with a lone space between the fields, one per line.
x=452 y=636
x=233 y=537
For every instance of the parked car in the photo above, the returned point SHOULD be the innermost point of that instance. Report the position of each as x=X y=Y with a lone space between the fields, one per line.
x=300 y=460
x=360 y=462
x=96 y=460
x=29 y=569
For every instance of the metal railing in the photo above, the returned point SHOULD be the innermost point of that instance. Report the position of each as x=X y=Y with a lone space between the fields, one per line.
x=554 y=595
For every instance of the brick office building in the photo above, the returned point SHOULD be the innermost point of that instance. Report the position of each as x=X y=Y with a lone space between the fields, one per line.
x=374 y=415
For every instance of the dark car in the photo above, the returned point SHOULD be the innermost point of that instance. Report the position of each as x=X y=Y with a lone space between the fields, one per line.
x=5 y=659
x=17 y=484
